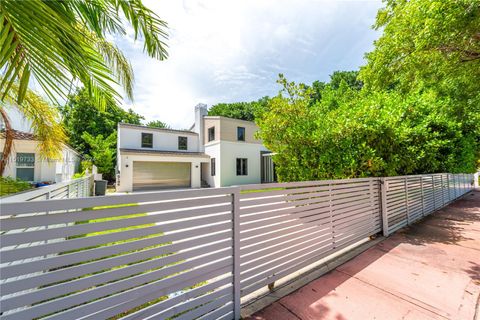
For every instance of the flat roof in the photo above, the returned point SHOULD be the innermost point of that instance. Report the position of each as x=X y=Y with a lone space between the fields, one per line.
x=227 y=118
x=136 y=126
x=165 y=152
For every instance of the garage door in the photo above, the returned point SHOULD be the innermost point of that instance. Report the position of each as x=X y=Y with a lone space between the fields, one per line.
x=160 y=175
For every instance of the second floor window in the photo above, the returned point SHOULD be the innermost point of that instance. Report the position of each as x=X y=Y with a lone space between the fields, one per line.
x=240 y=133
x=242 y=167
x=147 y=140
x=211 y=134
x=182 y=143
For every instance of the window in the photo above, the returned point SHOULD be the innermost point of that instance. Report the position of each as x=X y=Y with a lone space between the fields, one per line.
x=25 y=164
x=182 y=143
x=211 y=134
x=242 y=167
x=240 y=133
x=147 y=140
x=212 y=167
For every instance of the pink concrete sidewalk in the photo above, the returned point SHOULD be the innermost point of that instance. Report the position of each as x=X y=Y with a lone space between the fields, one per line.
x=428 y=271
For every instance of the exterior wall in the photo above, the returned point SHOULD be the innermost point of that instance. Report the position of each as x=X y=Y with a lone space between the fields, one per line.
x=125 y=183
x=208 y=123
x=225 y=148
x=227 y=164
x=226 y=129
x=164 y=140
x=213 y=150
x=44 y=169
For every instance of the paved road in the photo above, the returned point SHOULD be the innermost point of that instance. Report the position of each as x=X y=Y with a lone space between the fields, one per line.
x=428 y=271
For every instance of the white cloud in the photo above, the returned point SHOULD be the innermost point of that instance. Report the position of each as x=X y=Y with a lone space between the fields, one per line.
x=222 y=50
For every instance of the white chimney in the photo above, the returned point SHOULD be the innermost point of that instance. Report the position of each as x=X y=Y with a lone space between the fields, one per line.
x=200 y=112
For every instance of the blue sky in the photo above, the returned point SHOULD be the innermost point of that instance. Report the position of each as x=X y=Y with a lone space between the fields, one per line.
x=227 y=51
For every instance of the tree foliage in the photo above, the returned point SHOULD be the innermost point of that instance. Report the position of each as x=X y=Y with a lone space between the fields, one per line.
x=102 y=152
x=81 y=114
x=426 y=44
x=350 y=133
x=157 y=124
x=414 y=107
x=240 y=110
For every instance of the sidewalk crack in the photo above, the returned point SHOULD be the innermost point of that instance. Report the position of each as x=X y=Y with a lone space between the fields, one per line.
x=291 y=311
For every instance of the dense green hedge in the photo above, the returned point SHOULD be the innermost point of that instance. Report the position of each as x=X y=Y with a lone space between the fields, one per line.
x=351 y=133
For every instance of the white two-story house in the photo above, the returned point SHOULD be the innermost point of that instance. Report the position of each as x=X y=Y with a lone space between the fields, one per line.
x=216 y=152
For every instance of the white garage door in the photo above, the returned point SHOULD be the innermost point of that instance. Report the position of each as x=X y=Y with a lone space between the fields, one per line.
x=160 y=175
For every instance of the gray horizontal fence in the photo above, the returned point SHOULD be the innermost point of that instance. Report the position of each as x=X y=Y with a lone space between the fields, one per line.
x=77 y=188
x=285 y=227
x=406 y=199
x=193 y=253
x=159 y=255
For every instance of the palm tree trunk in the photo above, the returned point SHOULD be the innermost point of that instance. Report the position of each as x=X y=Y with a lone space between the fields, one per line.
x=7 y=147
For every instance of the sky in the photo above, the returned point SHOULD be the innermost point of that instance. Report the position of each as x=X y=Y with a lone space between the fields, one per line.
x=229 y=51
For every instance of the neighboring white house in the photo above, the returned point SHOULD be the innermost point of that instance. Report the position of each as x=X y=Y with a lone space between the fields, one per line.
x=25 y=161
x=217 y=152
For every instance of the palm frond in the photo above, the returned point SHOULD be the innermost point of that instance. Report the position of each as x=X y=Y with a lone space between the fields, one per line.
x=57 y=42
x=118 y=64
x=45 y=121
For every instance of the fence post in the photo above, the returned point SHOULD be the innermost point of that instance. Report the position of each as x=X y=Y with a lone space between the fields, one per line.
x=448 y=187
x=236 y=252
x=372 y=203
x=433 y=193
x=332 y=226
x=383 y=194
x=443 y=191
x=423 y=198
x=406 y=200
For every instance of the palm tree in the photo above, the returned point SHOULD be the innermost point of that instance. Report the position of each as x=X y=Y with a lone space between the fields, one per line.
x=44 y=120
x=60 y=43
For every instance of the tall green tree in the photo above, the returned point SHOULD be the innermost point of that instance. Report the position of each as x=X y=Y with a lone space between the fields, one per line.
x=102 y=152
x=81 y=114
x=430 y=45
x=426 y=44
x=240 y=110
x=351 y=133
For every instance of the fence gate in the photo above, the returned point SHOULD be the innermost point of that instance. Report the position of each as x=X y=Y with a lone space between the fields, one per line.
x=152 y=255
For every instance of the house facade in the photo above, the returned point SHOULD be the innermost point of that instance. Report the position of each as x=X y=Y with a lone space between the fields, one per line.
x=25 y=161
x=216 y=152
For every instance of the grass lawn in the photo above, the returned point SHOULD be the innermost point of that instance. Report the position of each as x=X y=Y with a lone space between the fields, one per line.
x=261 y=190
x=10 y=186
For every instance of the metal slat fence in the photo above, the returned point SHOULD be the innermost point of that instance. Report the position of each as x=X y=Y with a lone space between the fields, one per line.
x=168 y=253
x=284 y=227
x=190 y=254
x=77 y=188
x=407 y=199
